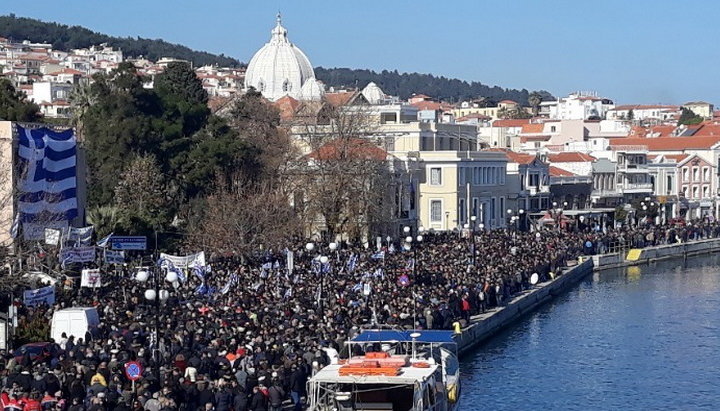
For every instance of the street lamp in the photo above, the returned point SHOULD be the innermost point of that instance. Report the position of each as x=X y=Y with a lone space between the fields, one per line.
x=408 y=246
x=155 y=295
x=521 y=218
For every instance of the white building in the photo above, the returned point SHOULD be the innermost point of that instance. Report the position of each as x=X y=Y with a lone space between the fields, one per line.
x=577 y=106
x=279 y=68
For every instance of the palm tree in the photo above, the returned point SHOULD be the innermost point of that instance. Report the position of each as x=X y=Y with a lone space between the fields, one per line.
x=534 y=99
x=104 y=218
x=81 y=99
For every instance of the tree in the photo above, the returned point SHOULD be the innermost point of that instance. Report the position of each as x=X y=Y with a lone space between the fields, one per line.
x=631 y=115
x=14 y=105
x=534 y=100
x=105 y=219
x=142 y=198
x=119 y=124
x=344 y=183
x=242 y=220
x=688 y=117
x=81 y=99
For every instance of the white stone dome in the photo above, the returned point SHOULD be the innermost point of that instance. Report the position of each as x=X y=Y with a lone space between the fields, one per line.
x=278 y=68
x=312 y=90
x=373 y=94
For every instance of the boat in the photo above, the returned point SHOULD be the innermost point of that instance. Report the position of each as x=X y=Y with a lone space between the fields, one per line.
x=396 y=370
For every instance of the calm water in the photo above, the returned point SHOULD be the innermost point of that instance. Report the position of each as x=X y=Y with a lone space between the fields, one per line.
x=635 y=338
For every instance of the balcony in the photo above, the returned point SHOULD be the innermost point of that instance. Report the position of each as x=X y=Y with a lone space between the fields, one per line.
x=533 y=191
x=633 y=168
x=605 y=193
x=637 y=188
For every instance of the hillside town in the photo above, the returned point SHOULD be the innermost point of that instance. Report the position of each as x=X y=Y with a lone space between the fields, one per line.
x=494 y=160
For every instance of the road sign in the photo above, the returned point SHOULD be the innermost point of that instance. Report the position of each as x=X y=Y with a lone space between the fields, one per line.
x=133 y=370
x=129 y=243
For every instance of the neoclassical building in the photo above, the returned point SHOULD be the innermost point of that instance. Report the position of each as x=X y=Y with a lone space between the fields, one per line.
x=281 y=69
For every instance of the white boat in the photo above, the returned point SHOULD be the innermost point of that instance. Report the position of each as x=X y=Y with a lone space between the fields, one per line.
x=392 y=370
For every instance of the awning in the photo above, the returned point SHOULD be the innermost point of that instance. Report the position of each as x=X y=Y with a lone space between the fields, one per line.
x=426 y=336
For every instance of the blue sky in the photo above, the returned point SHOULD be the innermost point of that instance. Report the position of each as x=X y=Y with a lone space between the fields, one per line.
x=633 y=51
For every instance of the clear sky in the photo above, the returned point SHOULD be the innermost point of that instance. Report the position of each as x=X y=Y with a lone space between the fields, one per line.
x=633 y=51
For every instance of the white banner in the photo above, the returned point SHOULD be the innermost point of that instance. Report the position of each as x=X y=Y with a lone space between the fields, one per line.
x=192 y=260
x=39 y=296
x=114 y=257
x=36 y=231
x=77 y=255
x=52 y=236
x=91 y=278
x=80 y=234
x=290 y=261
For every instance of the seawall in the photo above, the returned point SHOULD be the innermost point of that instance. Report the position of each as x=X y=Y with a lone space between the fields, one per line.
x=657 y=253
x=484 y=326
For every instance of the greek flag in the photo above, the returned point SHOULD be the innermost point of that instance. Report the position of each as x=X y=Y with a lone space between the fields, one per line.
x=201 y=271
x=378 y=256
x=47 y=182
x=168 y=265
x=15 y=228
x=105 y=240
x=357 y=287
x=233 y=280
x=379 y=273
x=352 y=262
x=204 y=289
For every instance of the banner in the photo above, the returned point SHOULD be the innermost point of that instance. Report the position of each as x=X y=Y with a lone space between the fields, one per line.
x=192 y=260
x=36 y=232
x=114 y=257
x=91 y=278
x=52 y=236
x=82 y=235
x=290 y=261
x=77 y=255
x=39 y=296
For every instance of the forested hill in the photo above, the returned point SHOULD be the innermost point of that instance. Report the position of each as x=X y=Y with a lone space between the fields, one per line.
x=65 y=38
x=405 y=84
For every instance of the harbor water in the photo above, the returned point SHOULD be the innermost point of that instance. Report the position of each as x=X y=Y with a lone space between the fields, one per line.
x=644 y=337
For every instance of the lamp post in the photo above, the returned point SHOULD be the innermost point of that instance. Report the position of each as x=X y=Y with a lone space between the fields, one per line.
x=521 y=218
x=472 y=240
x=156 y=295
x=408 y=246
x=510 y=218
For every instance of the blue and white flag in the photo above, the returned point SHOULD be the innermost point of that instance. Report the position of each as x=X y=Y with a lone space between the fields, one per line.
x=47 y=180
x=379 y=273
x=233 y=280
x=80 y=235
x=169 y=266
x=357 y=287
x=105 y=240
x=204 y=289
x=15 y=228
x=410 y=264
x=379 y=255
x=39 y=296
x=201 y=271
x=352 y=262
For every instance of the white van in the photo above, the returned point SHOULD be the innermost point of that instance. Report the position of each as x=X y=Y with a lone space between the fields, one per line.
x=73 y=321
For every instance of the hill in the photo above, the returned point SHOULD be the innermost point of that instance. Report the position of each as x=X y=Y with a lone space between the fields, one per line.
x=405 y=84
x=65 y=38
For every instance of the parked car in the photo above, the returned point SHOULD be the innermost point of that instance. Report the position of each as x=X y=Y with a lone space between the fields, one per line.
x=37 y=352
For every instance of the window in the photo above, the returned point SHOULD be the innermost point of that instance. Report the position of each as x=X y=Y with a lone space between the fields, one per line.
x=436 y=211
x=696 y=174
x=669 y=184
x=706 y=174
x=461 y=210
x=286 y=87
x=553 y=129
x=435 y=176
x=476 y=175
x=261 y=86
x=695 y=192
x=706 y=192
x=475 y=209
x=686 y=174
x=461 y=176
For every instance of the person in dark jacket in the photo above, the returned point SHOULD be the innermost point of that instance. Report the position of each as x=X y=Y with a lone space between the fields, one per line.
x=276 y=395
x=258 y=401
x=224 y=399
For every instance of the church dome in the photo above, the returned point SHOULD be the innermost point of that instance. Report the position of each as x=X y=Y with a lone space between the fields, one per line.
x=312 y=90
x=373 y=94
x=278 y=68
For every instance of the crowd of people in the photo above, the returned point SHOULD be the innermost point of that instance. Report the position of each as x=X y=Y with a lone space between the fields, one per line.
x=248 y=334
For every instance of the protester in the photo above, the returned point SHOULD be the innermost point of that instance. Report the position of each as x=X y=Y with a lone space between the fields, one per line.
x=248 y=333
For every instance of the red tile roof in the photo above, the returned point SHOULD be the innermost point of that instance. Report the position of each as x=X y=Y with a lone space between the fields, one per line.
x=515 y=157
x=287 y=107
x=559 y=172
x=646 y=107
x=532 y=128
x=511 y=122
x=508 y=102
x=354 y=148
x=570 y=157
x=340 y=99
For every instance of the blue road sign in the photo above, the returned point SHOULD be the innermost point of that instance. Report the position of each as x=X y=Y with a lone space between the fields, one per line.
x=128 y=243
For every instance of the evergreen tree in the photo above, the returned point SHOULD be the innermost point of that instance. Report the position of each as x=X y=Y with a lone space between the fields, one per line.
x=14 y=105
x=688 y=117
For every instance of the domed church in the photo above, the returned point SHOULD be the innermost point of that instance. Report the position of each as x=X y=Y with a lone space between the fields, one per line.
x=281 y=69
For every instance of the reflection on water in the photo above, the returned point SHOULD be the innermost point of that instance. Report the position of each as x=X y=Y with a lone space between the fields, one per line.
x=643 y=337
